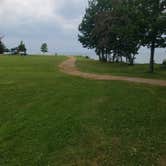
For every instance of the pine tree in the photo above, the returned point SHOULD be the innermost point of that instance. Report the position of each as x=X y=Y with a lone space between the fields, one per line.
x=44 y=48
x=22 y=48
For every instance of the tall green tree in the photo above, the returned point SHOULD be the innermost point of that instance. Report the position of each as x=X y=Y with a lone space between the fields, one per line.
x=44 y=48
x=121 y=27
x=87 y=26
x=109 y=27
x=125 y=26
x=92 y=34
x=153 y=21
x=2 y=47
x=22 y=48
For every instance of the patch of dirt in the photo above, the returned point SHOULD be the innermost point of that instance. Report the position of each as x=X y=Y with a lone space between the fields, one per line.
x=162 y=161
x=69 y=67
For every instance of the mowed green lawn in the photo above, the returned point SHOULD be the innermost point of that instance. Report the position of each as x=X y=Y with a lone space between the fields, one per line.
x=48 y=118
x=138 y=70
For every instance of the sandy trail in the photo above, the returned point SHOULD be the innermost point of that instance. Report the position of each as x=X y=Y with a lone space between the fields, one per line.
x=69 y=67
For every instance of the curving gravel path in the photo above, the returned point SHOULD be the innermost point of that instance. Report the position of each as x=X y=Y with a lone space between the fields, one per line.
x=69 y=67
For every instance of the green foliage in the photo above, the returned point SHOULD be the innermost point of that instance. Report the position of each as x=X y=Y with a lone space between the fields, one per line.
x=117 y=29
x=2 y=47
x=152 y=20
x=7 y=50
x=50 y=118
x=14 y=50
x=44 y=48
x=21 y=48
x=109 y=27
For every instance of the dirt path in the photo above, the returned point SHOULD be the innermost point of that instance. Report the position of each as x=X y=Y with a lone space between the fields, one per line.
x=69 y=67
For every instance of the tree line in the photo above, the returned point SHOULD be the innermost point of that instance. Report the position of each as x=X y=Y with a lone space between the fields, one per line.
x=20 y=49
x=116 y=29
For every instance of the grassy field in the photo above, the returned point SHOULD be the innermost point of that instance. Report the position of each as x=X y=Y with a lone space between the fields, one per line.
x=48 y=118
x=139 y=70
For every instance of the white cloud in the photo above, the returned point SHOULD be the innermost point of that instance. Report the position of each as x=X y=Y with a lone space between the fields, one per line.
x=34 y=21
x=13 y=10
x=29 y=11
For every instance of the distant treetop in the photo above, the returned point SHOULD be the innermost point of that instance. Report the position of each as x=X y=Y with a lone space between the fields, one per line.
x=44 y=48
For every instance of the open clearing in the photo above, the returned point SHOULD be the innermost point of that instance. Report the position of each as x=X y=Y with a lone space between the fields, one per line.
x=51 y=118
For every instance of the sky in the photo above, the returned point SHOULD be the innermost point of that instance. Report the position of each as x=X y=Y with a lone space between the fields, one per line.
x=36 y=21
x=52 y=21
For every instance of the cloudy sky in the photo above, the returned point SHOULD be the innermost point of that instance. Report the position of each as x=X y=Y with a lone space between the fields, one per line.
x=36 y=21
x=52 y=21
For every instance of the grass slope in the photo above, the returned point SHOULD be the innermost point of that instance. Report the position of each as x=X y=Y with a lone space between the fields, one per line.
x=139 y=70
x=49 y=118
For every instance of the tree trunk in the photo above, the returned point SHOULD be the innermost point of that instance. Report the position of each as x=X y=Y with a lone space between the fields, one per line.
x=103 y=56
x=131 y=59
x=100 y=58
x=152 y=57
x=127 y=60
x=99 y=53
x=121 y=59
x=106 y=56
x=113 y=58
